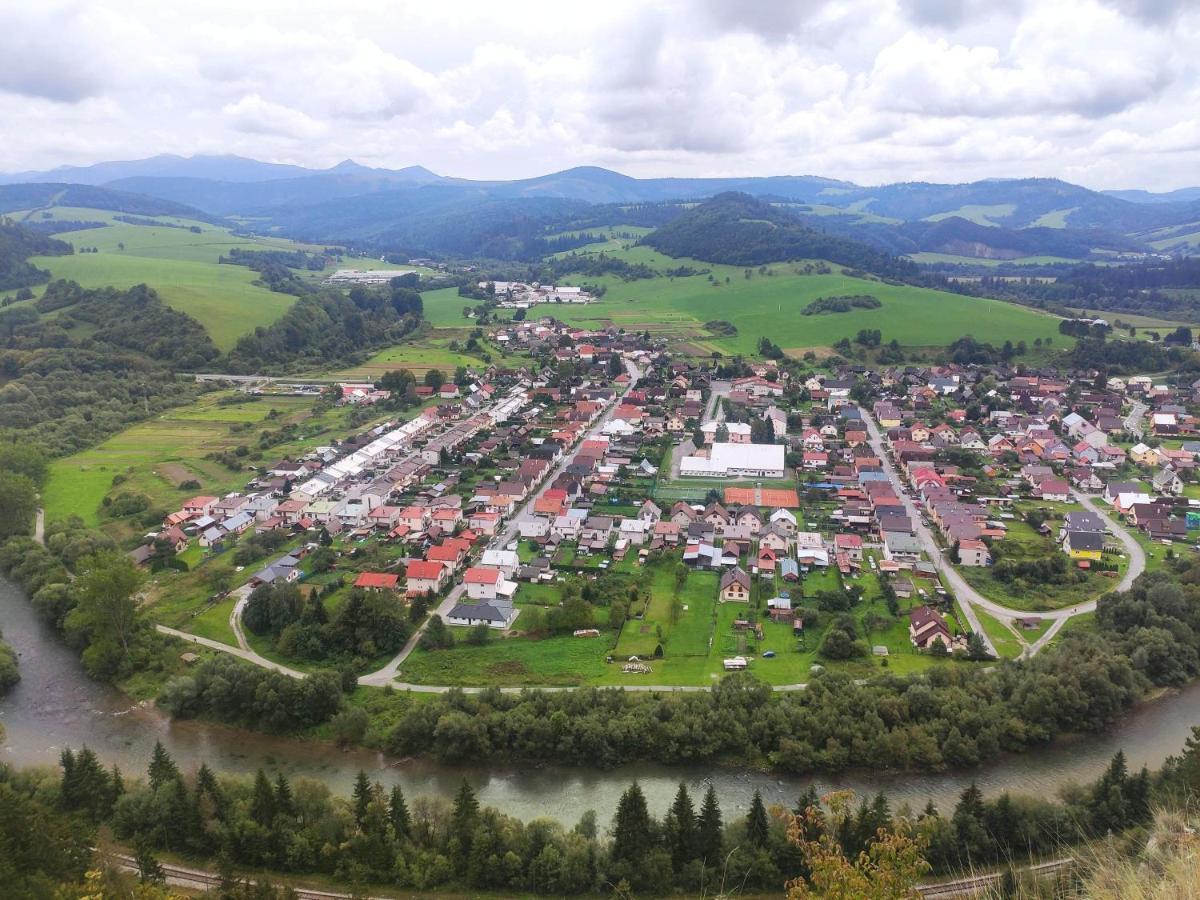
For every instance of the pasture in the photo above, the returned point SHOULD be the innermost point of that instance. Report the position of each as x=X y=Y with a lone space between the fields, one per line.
x=182 y=265
x=770 y=305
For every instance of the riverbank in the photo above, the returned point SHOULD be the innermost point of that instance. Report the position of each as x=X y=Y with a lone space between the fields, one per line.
x=55 y=706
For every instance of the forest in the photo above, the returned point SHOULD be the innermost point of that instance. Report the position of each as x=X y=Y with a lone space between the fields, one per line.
x=17 y=244
x=740 y=230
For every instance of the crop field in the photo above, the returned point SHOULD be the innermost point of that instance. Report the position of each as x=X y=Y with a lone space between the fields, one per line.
x=771 y=304
x=156 y=456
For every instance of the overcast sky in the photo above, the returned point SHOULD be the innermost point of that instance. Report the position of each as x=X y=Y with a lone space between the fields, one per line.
x=1104 y=93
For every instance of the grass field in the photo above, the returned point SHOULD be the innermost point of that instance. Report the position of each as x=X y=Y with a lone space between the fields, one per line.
x=157 y=455
x=1023 y=543
x=181 y=265
x=770 y=305
x=990 y=263
x=1006 y=643
x=980 y=214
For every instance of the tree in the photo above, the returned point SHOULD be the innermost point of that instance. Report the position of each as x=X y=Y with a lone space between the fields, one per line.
x=362 y=796
x=162 y=768
x=976 y=648
x=887 y=870
x=105 y=617
x=757 y=826
x=398 y=813
x=721 y=435
x=683 y=838
x=710 y=829
x=632 y=833
x=18 y=503
x=435 y=378
x=262 y=802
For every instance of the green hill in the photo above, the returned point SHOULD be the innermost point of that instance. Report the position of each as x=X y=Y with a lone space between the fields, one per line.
x=740 y=230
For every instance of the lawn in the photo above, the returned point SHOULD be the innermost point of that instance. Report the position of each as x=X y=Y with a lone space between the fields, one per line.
x=516 y=661
x=1023 y=543
x=770 y=305
x=1006 y=643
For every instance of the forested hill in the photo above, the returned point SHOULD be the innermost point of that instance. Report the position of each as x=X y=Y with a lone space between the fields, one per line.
x=740 y=230
x=17 y=244
x=15 y=197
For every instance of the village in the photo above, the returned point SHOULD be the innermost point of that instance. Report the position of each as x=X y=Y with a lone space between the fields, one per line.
x=622 y=516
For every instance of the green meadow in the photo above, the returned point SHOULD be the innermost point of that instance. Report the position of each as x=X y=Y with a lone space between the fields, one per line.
x=182 y=265
x=771 y=304
x=156 y=456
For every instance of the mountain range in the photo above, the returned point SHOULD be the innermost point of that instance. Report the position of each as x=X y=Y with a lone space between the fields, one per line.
x=416 y=209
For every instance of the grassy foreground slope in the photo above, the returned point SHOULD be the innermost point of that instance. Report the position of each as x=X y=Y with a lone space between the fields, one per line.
x=772 y=304
x=180 y=264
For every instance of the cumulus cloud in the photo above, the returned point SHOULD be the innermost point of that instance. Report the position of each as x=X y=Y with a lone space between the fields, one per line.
x=1098 y=90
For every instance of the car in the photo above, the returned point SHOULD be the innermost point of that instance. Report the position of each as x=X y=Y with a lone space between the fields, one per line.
x=769 y=654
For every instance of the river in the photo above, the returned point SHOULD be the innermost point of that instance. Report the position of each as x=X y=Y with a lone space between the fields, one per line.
x=56 y=706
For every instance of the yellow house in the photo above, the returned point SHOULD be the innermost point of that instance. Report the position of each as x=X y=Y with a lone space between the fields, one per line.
x=1143 y=455
x=1084 y=545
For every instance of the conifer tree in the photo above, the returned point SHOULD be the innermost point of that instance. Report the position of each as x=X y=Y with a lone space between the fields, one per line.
x=710 y=830
x=398 y=813
x=632 y=831
x=757 y=826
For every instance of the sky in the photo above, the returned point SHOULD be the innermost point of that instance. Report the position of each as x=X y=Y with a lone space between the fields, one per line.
x=1104 y=93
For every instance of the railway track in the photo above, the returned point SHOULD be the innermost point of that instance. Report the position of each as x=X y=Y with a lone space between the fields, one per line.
x=978 y=884
x=181 y=876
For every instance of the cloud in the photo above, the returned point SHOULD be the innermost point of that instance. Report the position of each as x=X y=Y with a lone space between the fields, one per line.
x=856 y=89
x=47 y=53
x=254 y=115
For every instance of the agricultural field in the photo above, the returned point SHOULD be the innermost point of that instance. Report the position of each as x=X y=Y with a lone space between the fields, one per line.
x=182 y=266
x=155 y=457
x=770 y=305
x=980 y=214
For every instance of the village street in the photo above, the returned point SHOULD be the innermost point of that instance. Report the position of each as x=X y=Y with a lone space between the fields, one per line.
x=967 y=596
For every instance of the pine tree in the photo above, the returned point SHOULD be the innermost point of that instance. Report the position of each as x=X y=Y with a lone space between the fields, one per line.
x=68 y=792
x=466 y=809
x=162 y=768
x=262 y=803
x=711 y=829
x=632 y=831
x=116 y=788
x=285 y=803
x=683 y=840
x=758 y=829
x=206 y=786
x=398 y=813
x=362 y=796
x=149 y=868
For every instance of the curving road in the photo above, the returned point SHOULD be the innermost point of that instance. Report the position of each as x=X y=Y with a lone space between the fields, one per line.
x=969 y=597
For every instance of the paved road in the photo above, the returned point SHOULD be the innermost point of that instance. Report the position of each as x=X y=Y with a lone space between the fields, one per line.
x=717 y=389
x=966 y=594
x=248 y=655
x=511 y=530
x=969 y=597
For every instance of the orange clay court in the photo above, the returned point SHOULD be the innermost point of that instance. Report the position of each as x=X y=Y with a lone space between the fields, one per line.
x=773 y=497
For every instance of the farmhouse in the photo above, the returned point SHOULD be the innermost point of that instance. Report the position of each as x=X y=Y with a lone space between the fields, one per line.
x=926 y=626
x=377 y=581
x=735 y=586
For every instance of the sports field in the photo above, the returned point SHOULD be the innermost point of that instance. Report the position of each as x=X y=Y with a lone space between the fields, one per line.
x=770 y=305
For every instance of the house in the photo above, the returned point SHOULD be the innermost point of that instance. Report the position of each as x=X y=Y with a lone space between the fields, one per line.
x=198 y=506
x=735 y=586
x=901 y=546
x=596 y=531
x=492 y=613
x=424 y=577
x=776 y=538
x=1054 y=489
x=649 y=512
x=506 y=561
x=377 y=581
x=785 y=519
x=483 y=583
x=972 y=552
x=1083 y=545
x=926 y=626
x=850 y=544
x=636 y=531
x=1167 y=481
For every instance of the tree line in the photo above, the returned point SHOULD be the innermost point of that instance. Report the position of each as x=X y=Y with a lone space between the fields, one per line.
x=380 y=836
